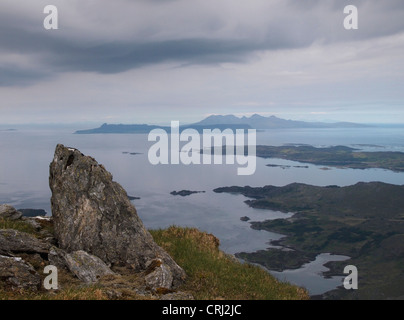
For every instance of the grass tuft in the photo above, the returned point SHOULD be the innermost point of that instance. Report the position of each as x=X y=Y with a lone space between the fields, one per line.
x=19 y=225
x=213 y=274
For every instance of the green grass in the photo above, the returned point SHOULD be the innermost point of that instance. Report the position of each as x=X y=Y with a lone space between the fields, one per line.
x=211 y=274
x=73 y=293
x=17 y=225
x=215 y=275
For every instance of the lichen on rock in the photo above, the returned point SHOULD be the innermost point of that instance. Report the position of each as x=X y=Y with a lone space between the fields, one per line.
x=86 y=267
x=92 y=213
x=14 y=242
x=18 y=274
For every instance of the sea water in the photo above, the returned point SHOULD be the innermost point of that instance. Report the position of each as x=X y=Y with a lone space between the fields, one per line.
x=28 y=151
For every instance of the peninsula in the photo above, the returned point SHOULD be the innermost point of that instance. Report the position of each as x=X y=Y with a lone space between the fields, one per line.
x=364 y=221
x=336 y=156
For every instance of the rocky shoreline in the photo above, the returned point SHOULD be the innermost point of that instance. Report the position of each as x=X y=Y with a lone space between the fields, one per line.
x=363 y=221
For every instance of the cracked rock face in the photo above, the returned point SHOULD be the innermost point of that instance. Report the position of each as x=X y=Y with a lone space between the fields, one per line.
x=86 y=267
x=158 y=275
x=13 y=241
x=18 y=274
x=91 y=212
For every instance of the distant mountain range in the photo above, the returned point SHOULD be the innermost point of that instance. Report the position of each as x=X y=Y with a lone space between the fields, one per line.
x=259 y=122
x=222 y=122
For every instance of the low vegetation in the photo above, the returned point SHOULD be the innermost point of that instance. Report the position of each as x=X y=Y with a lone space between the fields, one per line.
x=17 y=225
x=214 y=275
x=211 y=273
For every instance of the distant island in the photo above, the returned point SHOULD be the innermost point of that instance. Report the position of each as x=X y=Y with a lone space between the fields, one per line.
x=336 y=156
x=282 y=166
x=364 y=221
x=8 y=130
x=131 y=153
x=223 y=122
x=145 y=128
x=33 y=212
x=184 y=193
x=257 y=121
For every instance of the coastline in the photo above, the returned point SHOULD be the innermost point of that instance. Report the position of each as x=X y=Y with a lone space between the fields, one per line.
x=352 y=221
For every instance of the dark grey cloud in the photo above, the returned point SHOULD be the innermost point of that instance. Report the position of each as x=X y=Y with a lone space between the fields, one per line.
x=16 y=76
x=297 y=24
x=117 y=57
x=59 y=54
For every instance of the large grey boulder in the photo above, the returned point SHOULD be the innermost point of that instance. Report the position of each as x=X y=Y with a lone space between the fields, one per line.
x=18 y=274
x=9 y=212
x=92 y=213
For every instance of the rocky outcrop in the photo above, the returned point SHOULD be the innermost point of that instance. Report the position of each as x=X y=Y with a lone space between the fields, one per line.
x=15 y=272
x=94 y=235
x=14 y=242
x=18 y=274
x=92 y=213
x=8 y=212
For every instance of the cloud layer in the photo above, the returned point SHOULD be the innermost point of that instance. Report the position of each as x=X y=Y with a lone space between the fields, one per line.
x=272 y=47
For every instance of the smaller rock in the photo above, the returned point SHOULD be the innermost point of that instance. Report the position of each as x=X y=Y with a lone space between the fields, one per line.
x=56 y=257
x=18 y=274
x=9 y=212
x=86 y=267
x=158 y=275
x=33 y=223
x=177 y=296
x=245 y=218
x=114 y=294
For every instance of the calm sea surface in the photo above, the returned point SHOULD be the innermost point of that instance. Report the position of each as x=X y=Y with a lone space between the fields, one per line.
x=27 y=153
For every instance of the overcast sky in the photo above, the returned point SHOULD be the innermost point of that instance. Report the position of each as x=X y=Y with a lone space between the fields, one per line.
x=153 y=61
